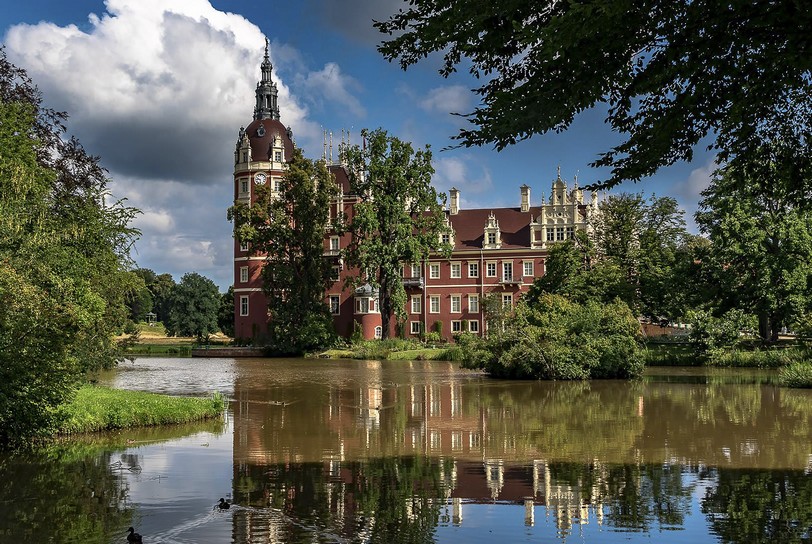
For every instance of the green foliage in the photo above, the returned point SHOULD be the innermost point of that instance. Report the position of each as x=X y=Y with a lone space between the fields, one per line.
x=225 y=313
x=398 y=220
x=558 y=339
x=357 y=335
x=760 y=227
x=671 y=74
x=709 y=333
x=195 y=303
x=798 y=374
x=64 y=255
x=771 y=357
x=139 y=300
x=288 y=230
x=99 y=409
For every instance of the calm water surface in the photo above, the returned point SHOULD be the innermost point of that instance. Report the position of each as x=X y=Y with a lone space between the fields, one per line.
x=366 y=451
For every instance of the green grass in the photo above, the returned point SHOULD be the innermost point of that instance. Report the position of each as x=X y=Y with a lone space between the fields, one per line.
x=670 y=354
x=100 y=408
x=797 y=374
x=776 y=357
x=159 y=349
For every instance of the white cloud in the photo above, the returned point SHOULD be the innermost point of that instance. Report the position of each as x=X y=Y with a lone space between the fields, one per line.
x=447 y=100
x=466 y=174
x=338 y=88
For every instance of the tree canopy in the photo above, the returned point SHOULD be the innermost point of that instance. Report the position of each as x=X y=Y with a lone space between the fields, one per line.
x=671 y=73
x=64 y=261
x=288 y=229
x=399 y=218
x=195 y=302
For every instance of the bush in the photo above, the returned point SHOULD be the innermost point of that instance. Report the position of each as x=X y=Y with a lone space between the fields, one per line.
x=775 y=357
x=709 y=333
x=557 y=339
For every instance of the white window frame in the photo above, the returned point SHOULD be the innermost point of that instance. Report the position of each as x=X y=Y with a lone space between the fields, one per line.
x=550 y=234
x=434 y=304
x=456 y=304
x=335 y=243
x=276 y=185
x=559 y=234
x=491 y=237
x=527 y=268
x=416 y=271
x=416 y=304
x=456 y=326
x=337 y=300
x=414 y=327
x=244 y=187
x=243 y=274
x=473 y=325
x=456 y=270
x=277 y=156
x=507 y=265
x=473 y=267
x=434 y=271
x=244 y=305
x=336 y=273
x=243 y=246
x=507 y=300
x=490 y=269
x=378 y=332
x=473 y=304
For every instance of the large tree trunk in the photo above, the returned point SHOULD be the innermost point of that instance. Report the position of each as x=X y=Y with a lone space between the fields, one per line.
x=385 y=306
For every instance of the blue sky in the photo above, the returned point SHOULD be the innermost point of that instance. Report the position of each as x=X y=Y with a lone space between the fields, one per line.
x=159 y=89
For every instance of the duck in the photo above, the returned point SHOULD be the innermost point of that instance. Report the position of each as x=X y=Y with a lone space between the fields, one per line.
x=223 y=505
x=133 y=537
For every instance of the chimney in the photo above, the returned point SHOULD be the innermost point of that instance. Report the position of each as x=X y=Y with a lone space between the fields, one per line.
x=525 y=197
x=454 y=204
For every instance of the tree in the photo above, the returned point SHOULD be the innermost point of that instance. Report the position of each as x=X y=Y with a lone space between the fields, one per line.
x=64 y=260
x=398 y=220
x=225 y=314
x=761 y=237
x=195 y=302
x=288 y=229
x=161 y=290
x=139 y=300
x=672 y=73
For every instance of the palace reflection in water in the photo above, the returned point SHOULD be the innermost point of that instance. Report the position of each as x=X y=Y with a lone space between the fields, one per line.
x=374 y=451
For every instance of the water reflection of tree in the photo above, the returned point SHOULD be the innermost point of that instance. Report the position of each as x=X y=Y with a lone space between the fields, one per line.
x=760 y=506
x=391 y=499
x=62 y=496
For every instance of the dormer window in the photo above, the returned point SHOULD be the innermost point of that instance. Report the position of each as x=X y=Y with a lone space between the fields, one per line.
x=492 y=238
x=277 y=156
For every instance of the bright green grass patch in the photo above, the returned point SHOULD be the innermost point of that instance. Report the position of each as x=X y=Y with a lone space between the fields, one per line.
x=158 y=349
x=775 y=357
x=796 y=375
x=100 y=408
x=425 y=354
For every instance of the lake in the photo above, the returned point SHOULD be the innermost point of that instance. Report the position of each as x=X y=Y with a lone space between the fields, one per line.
x=392 y=451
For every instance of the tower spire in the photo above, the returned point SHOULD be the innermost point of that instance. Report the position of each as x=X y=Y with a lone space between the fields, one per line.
x=267 y=106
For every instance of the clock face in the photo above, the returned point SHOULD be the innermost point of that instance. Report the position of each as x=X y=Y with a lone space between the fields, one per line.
x=259 y=179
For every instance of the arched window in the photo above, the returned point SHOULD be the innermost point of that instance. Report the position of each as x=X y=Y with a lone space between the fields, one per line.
x=378 y=332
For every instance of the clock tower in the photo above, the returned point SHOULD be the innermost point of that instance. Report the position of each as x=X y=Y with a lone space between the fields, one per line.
x=261 y=154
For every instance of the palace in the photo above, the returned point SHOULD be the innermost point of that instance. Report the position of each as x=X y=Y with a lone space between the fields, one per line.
x=496 y=251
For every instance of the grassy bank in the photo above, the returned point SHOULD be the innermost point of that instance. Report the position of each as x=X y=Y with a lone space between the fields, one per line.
x=796 y=375
x=100 y=408
x=392 y=349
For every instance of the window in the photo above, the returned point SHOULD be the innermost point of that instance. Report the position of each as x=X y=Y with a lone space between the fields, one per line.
x=243 y=305
x=550 y=235
x=415 y=327
x=456 y=270
x=243 y=274
x=334 y=243
x=277 y=184
x=491 y=238
x=445 y=238
x=243 y=246
x=336 y=272
x=473 y=304
x=528 y=268
x=415 y=270
x=473 y=270
x=245 y=156
x=507 y=271
x=507 y=300
x=473 y=326
x=490 y=270
x=456 y=327
x=378 y=332
x=456 y=304
x=434 y=271
x=277 y=156
x=335 y=304
x=536 y=235
x=364 y=305
x=559 y=233
x=434 y=304
x=243 y=186
x=416 y=304
x=570 y=233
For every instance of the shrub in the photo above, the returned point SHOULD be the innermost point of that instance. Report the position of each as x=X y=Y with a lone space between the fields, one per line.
x=558 y=339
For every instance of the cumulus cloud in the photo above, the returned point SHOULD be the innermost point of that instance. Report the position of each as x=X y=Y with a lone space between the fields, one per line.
x=466 y=174
x=340 y=89
x=450 y=99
